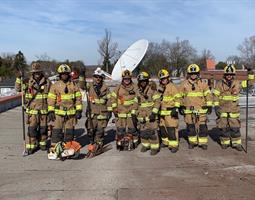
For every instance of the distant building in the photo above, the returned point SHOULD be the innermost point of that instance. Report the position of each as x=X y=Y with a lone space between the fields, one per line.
x=210 y=64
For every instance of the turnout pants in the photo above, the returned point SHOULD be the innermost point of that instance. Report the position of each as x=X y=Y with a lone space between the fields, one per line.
x=63 y=129
x=125 y=126
x=149 y=135
x=229 y=131
x=169 y=131
x=37 y=131
x=97 y=131
x=197 y=129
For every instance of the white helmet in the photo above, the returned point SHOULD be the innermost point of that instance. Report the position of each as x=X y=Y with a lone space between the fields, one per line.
x=99 y=72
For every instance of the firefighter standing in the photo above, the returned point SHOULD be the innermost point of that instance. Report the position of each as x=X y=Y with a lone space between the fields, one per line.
x=170 y=102
x=196 y=104
x=124 y=105
x=36 y=91
x=64 y=106
x=226 y=102
x=148 y=107
x=99 y=111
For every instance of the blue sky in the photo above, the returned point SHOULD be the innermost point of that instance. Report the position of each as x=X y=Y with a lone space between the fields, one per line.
x=70 y=29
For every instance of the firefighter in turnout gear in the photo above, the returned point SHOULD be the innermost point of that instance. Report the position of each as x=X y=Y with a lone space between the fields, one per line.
x=226 y=102
x=196 y=104
x=170 y=102
x=99 y=111
x=64 y=106
x=36 y=91
x=124 y=105
x=148 y=107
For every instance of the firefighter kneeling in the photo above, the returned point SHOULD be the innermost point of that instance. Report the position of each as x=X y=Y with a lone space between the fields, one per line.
x=124 y=104
x=148 y=107
x=65 y=107
x=227 y=109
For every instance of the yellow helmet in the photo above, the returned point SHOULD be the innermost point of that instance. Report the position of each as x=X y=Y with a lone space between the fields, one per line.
x=193 y=68
x=64 y=68
x=126 y=74
x=36 y=67
x=230 y=69
x=143 y=76
x=163 y=73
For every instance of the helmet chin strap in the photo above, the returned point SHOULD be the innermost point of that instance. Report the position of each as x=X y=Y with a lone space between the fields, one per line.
x=193 y=79
x=143 y=86
x=37 y=79
x=66 y=80
x=229 y=81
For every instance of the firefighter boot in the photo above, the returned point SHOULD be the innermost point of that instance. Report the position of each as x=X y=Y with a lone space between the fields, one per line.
x=162 y=145
x=154 y=152
x=43 y=145
x=144 y=149
x=224 y=146
x=119 y=139
x=191 y=146
x=30 y=151
x=204 y=146
x=135 y=141
x=239 y=147
x=174 y=149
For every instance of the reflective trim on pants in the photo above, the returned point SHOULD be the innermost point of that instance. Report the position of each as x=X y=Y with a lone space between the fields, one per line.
x=236 y=141
x=30 y=146
x=154 y=146
x=193 y=139
x=173 y=143
x=42 y=143
x=225 y=141
x=202 y=140
x=147 y=145
x=165 y=141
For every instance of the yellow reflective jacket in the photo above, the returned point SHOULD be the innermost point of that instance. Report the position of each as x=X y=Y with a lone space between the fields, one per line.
x=64 y=98
x=227 y=97
x=148 y=102
x=35 y=95
x=100 y=104
x=170 y=99
x=124 y=100
x=195 y=95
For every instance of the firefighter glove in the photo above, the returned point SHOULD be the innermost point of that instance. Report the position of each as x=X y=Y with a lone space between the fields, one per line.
x=217 y=111
x=83 y=71
x=109 y=115
x=249 y=69
x=152 y=117
x=18 y=74
x=181 y=110
x=134 y=119
x=174 y=113
x=51 y=116
x=115 y=112
x=78 y=114
x=209 y=109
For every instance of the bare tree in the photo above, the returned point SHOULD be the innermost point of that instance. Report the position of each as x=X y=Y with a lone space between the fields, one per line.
x=179 y=54
x=247 y=49
x=43 y=57
x=201 y=59
x=107 y=50
x=236 y=60
x=154 y=59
